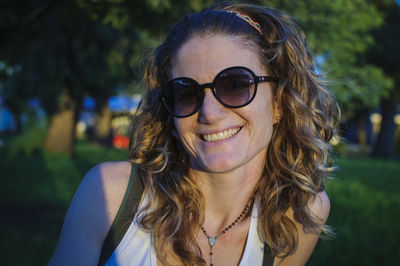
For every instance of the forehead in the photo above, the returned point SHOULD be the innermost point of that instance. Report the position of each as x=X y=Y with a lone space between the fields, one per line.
x=201 y=58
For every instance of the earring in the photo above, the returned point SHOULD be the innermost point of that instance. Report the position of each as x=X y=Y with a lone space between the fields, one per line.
x=278 y=118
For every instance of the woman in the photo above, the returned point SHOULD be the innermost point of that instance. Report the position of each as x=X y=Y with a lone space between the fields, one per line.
x=228 y=153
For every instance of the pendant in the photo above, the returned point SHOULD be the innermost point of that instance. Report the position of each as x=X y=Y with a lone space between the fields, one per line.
x=211 y=241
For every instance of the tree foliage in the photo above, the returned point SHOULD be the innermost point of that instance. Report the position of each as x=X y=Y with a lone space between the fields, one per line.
x=339 y=33
x=62 y=50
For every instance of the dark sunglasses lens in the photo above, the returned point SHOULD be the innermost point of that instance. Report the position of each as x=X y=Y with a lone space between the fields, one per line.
x=181 y=96
x=235 y=87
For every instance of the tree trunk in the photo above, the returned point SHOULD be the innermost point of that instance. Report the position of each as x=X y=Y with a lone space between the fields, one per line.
x=362 y=133
x=61 y=135
x=384 y=146
x=103 y=125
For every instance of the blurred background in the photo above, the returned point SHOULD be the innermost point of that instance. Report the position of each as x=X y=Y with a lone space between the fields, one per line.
x=70 y=76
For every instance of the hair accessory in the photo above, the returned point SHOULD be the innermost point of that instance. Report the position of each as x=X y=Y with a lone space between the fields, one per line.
x=213 y=239
x=252 y=23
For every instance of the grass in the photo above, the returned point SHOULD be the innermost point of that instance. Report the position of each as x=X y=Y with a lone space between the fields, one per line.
x=365 y=212
x=36 y=191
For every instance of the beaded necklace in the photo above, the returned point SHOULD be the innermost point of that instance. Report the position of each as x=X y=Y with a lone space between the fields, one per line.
x=213 y=239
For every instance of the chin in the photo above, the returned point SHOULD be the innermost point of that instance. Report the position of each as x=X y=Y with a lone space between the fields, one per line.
x=216 y=166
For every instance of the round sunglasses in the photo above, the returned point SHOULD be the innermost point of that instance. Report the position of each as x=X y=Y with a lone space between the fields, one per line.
x=233 y=87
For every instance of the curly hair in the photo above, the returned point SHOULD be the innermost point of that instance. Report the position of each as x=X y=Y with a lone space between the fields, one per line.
x=297 y=157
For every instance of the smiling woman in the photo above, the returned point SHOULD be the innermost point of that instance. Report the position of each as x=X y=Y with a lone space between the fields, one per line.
x=228 y=153
x=207 y=135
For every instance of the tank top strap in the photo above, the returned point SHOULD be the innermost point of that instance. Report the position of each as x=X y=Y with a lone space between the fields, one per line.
x=268 y=259
x=124 y=217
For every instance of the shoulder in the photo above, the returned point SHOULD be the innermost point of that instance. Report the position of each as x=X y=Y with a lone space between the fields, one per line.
x=109 y=178
x=104 y=187
x=319 y=206
x=91 y=213
x=109 y=172
x=102 y=190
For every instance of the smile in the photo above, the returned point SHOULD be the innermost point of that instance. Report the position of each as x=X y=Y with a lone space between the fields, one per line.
x=221 y=135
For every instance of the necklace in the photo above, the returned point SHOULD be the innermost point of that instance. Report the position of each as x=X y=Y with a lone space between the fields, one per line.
x=213 y=239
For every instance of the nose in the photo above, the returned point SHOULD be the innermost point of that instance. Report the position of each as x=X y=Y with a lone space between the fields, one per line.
x=211 y=110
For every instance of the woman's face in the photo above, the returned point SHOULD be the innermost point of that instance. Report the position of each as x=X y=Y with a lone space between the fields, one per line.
x=219 y=139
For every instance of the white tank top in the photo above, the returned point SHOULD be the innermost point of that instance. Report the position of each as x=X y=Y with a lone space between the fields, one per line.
x=136 y=247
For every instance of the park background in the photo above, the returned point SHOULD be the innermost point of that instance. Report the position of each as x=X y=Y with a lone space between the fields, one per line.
x=70 y=74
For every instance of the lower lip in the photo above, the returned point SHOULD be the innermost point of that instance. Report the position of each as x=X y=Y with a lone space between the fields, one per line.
x=218 y=142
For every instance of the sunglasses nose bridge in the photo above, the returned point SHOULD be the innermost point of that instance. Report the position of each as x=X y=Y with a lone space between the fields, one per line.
x=207 y=85
x=201 y=91
x=209 y=108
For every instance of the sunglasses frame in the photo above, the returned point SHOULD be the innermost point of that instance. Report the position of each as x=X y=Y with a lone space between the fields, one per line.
x=200 y=90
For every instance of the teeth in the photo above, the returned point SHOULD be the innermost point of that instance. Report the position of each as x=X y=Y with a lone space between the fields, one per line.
x=221 y=135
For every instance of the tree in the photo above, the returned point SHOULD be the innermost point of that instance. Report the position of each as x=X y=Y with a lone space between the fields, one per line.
x=60 y=57
x=386 y=55
x=61 y=51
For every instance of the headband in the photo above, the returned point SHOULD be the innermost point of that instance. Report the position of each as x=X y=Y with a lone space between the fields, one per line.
x=251 y=22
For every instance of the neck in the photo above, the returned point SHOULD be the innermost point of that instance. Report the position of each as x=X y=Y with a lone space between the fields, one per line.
x=225 y=194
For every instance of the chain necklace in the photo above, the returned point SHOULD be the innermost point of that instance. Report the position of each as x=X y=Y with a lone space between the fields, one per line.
x=213 y=239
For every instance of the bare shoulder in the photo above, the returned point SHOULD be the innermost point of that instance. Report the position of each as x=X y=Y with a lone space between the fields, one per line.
x=320 y=206
x=106 y=183
x=91 y=213
x=112 y=177
x=110 y=172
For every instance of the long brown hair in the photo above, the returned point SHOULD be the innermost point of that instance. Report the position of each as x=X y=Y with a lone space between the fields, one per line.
x=297 y=156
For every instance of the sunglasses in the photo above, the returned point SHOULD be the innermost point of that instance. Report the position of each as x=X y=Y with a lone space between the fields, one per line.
x=233 y=87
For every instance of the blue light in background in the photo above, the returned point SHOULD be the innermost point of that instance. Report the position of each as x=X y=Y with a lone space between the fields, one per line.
x=122 y=103
x=89 y=103
x=34 y=102
x=398 y=2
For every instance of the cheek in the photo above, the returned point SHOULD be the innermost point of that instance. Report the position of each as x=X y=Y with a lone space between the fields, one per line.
x=263 y=120
x=264 y=111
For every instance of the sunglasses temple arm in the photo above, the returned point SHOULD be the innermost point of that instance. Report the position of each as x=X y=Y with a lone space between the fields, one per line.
x=266 y=78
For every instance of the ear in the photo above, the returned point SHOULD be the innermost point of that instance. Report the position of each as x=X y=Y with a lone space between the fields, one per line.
x=277 y=115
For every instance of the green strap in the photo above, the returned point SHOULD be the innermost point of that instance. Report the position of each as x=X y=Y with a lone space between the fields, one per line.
x=124 y=217
x=268 y=259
